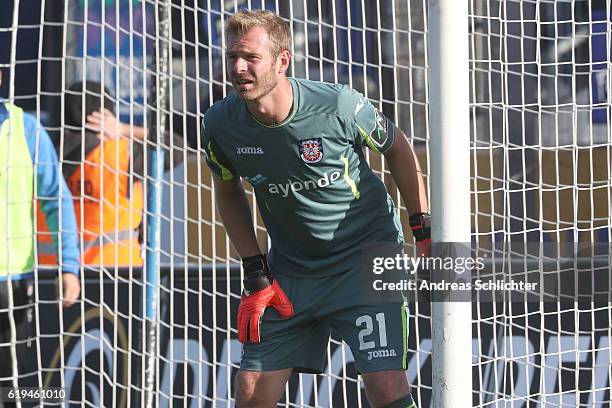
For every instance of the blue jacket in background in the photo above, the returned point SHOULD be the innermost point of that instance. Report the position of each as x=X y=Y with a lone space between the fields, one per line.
x=50 y=188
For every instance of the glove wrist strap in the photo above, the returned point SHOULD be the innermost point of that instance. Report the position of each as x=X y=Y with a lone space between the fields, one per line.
x=256 y=274
x=420 y=224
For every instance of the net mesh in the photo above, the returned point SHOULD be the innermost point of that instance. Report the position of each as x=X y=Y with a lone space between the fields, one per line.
x=540 y=158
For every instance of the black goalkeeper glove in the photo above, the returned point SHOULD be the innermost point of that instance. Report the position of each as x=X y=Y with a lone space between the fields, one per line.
x=420 y=224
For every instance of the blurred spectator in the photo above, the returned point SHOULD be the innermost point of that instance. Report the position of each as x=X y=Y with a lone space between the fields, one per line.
x=103 y=163
x=29 y=169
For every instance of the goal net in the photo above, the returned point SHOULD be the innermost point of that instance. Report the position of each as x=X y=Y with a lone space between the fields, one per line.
x=541 y=167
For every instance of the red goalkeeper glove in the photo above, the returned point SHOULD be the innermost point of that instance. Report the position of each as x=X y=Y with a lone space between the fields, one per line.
x=420 y=224
x=260 y=291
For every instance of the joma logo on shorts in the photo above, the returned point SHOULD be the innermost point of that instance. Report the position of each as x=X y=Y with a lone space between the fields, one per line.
x=249 y=150
x=381 y=353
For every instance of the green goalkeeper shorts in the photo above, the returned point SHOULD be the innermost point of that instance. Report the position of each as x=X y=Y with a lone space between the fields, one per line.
x=377 y=334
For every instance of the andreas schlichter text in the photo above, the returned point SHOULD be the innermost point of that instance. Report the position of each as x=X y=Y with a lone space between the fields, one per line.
x=478 y=284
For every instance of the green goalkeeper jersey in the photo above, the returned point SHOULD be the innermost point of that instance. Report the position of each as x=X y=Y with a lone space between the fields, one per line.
x=317 y=195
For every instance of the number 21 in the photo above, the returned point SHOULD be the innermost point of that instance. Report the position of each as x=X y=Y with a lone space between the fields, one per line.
x=369 y=328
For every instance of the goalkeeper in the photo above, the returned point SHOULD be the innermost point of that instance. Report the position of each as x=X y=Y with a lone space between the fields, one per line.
x=299 y=144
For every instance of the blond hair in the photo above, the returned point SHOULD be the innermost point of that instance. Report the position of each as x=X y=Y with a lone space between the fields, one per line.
x=278 y=29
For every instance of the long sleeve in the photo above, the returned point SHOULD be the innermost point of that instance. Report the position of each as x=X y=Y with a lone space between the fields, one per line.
x=54 y=196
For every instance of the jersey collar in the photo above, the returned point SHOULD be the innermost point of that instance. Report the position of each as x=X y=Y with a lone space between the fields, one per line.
x=294 y=108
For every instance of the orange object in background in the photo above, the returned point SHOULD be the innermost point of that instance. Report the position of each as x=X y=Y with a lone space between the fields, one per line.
x=108 y=211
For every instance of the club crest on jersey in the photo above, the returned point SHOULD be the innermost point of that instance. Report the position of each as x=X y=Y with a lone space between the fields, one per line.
x=311 y=150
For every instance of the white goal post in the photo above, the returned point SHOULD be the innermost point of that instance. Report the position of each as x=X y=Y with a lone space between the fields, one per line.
x=509 y=113
x=448 y=83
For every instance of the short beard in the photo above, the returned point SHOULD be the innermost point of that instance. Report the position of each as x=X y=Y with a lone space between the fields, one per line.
x=262 y=87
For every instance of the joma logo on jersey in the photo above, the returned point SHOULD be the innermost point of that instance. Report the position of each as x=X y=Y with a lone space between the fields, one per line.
x=249 y=150
x=381 y=353
x=299 y=185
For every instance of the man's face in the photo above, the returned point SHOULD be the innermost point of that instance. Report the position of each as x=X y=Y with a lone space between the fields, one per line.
x=250 y=66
